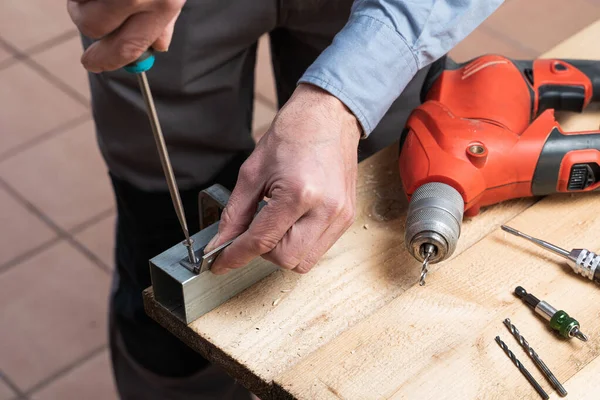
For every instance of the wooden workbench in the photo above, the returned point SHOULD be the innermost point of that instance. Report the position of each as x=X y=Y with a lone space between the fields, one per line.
x=359 y=327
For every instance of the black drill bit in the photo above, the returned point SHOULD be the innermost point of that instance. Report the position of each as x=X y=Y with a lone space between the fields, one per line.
x=523 y=370
x=536 y=358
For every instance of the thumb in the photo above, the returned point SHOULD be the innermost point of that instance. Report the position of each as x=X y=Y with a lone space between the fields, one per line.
x=240 y=210
x=164 y=40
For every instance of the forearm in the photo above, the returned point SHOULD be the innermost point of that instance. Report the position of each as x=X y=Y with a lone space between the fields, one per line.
x=384 y=44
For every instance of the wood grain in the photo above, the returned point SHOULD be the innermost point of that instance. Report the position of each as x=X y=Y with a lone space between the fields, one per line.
x=358 y=326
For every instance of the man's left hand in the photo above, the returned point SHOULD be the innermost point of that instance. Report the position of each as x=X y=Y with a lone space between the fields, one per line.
x=306 y=166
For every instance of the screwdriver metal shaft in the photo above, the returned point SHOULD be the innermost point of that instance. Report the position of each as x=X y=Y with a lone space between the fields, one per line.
x=166 y=163
x=581 y=261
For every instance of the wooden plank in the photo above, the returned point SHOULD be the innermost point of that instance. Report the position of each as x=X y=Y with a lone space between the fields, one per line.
x=278 y=321
x=437 y=342
x=585 y=385
x=301 y=330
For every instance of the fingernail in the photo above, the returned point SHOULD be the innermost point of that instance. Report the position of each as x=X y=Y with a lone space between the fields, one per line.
x=211 y=244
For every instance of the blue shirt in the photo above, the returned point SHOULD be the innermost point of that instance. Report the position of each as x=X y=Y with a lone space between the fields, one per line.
x=383 y=46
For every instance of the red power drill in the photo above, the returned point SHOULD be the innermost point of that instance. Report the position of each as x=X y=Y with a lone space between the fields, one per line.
x=484 y=133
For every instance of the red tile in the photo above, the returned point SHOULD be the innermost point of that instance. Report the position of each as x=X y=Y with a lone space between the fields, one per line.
x=482 y=42
x=64 y=176
x=5 y=54
x=6 y=392
x=30 y=106
x=19 y=228
x=31 y=22
x=100 y=239
x=265 y=85
x=92 y=380
x=53 y=311
x=541 y=24
x=63 y=61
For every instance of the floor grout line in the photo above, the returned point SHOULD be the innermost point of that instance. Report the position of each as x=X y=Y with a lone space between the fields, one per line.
x=62 y=372
x=55 y=41
x=29 y=254
x=57 y=82
x=45 y=136
x=62 y=233
x=13 y=386
x=77 y=229
x=24 y=57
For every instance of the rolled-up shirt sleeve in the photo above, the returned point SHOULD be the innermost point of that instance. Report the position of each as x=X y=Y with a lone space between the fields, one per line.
x=384 y=44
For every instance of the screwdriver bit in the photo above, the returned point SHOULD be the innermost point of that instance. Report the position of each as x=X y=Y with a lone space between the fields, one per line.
x=559 y=321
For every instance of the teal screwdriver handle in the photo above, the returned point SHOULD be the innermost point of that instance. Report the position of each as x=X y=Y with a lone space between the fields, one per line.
x=142 y=64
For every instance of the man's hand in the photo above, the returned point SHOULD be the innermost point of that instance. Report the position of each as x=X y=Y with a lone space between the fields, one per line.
x=124 y=29
x=306 y=166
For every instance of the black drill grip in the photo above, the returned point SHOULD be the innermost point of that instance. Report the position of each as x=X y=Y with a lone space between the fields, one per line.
x=591 y=68
x=557 y=146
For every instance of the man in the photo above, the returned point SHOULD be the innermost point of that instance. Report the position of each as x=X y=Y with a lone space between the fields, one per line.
x=348 y=74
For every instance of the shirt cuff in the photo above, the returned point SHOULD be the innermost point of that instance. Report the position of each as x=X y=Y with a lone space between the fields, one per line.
x=367 y=66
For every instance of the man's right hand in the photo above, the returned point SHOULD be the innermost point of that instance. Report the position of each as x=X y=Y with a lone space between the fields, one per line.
x=124 y=29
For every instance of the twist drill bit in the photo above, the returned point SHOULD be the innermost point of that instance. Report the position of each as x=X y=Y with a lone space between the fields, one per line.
x=523 y=370
x=581 y=261
x=536 y=358
x=429 y=251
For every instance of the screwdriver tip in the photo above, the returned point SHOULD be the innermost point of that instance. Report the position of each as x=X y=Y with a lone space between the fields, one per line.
x=510 y=230
x=580 y=335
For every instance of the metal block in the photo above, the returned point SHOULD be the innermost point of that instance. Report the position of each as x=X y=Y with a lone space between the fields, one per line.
x=188 y=295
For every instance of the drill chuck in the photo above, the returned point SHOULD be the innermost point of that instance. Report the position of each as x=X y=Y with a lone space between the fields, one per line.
x=434 y=218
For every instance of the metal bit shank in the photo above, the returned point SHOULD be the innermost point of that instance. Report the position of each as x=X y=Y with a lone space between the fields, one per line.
x=166 y=162
x=523 y=370
x=536 y=358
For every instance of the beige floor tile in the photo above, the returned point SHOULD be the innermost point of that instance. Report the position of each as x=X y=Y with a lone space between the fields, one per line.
x=91 y=381
x=265 y=85
x=4 y=54
x=28 y=23
x=30 y=106
x=20 y=229
x=6 y=392
x=263 y=114
x=63 y=61
x=481 y=42
x=53 y=311
x=100 y=239
x=64 y=176
x=541 y=24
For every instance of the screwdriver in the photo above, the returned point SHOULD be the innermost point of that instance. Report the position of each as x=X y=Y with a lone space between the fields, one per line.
x=582 y=261
x=139 y=67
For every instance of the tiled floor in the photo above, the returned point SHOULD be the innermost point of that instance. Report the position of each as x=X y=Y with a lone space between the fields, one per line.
x=56 y=208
